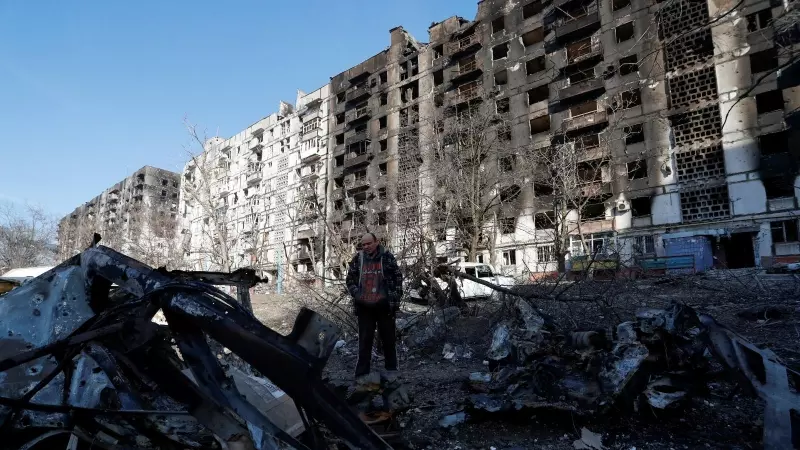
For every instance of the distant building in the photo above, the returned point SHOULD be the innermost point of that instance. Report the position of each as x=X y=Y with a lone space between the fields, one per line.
x=137 y=216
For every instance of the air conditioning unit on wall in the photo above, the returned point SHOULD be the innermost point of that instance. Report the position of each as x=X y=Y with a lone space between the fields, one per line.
x=622 y=206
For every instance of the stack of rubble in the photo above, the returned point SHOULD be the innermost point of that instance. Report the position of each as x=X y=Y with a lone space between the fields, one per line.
x=655 y=364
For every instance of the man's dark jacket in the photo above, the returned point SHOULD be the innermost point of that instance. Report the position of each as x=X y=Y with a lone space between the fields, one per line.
x=392 y=279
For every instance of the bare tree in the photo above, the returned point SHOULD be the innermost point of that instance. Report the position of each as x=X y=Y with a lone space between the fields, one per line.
x=27 y=236
x=205 y=180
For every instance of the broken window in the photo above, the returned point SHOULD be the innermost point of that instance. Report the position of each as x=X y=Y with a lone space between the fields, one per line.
x=382 y=122
x=540 y=124
x=382 y=193
x=339 y=161
x=641 y=206
x=532 y=37
x=498 y=25
x=438 y=100
x=438 y=77
x=510 y=258
x=507 y=163
x=382 y=218
x=384 y=99
x=545 y=220
x=619 y=4
x=383 y=145
x=535 y=65
x=414 y=64
x=501 y=78
x=538 y=94
x=583 y=108
x=339 y=99
x=764 y=60
x=593 y=210
x=384 y=77
x=382 y=169
x=778 y=187
x=590 y=171
x=438 y=51
x=784 y=231
x=628 y=65
x=502 y=105
x=628 y=99
x=340 y=139
x=774 y=143
x=769 y=101
x=508 y=225
x=759 y=20
x=532 y=8
x=587 y=141
x=340 y=119
x=624 y=32
x=637 y=169
x=633 y=134
x=500 y=51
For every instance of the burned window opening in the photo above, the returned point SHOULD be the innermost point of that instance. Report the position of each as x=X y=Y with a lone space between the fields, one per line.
x=641 y=206
x=501 y=78
x=784 y=231
x=510 y=194
x=507 y=163
x=500 y=51
x=438 y=77
x=545 y=220
x=759 y=20
x=538 y=94
x=382 y=122
x=540 y=124
x=624 y=32
x=502 y=106
x=764 y=61
x=616 y=5
x=628 y=65
x=498 y=25
x=774 y=143
x=634 y=134
x=532 y=9
x=535 y=65
x=637 y=170
x=769 y=101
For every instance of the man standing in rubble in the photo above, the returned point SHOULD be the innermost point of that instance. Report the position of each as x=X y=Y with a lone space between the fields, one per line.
x=376 y=285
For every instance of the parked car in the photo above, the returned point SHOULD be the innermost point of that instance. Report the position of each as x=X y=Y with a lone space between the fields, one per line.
x=471 y=290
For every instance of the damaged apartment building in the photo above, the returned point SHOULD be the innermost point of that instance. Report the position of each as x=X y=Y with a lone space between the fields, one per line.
x=137 y=216
x=670 y=156
x=647 y=94
x=256 y=199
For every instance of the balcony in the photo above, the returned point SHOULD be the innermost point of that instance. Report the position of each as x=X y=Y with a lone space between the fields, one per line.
x=584 y=51
x=358 y=137
x=310 y=154
x=465 y=94
x=307 y=176
x=580 y=88
x=355 y=183
x=254 y=175
x=358 y=160
x=464 y=45
x=309 y=134
x=255 y=145
x=358 y=115
x=357 y=94
x=585 y=120
x=573 y=28
x=337 y=194
x=470 y=69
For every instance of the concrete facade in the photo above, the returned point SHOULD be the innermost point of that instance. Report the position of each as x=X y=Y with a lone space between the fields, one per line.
x=138 y=216
x=652 y=91
x=268 y=185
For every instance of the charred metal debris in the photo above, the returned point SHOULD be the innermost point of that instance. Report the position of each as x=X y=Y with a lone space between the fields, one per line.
x=653 y=364
x=82 y=360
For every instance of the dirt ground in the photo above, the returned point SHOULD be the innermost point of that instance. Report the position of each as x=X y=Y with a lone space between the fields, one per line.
x=723 y=419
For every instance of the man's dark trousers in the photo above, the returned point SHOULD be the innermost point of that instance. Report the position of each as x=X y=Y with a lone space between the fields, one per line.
x=370 y=318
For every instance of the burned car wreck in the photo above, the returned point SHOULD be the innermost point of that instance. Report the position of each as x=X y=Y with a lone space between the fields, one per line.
x=83 y=361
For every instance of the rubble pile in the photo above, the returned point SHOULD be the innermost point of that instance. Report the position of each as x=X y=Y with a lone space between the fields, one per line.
x=654 y=364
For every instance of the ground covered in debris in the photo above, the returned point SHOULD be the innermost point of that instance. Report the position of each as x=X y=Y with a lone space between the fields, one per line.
x=453 y=406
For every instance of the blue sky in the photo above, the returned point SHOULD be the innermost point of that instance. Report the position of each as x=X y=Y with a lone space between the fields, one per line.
x=91 y=90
